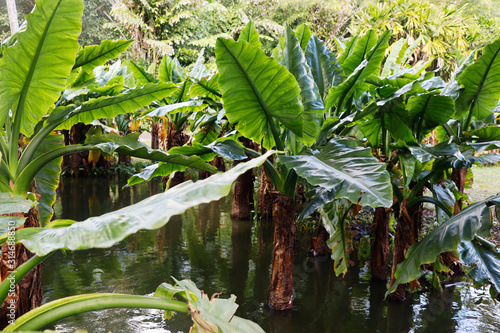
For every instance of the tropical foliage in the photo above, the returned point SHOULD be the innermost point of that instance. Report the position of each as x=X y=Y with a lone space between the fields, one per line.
x=351 y=128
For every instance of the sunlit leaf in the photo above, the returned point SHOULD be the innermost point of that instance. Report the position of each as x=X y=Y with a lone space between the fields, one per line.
x=34 y=70
x=351 y=171
x=250 y=35
x=257 y=91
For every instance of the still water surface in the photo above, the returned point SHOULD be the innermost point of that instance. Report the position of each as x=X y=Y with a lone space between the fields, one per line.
x=234 y=257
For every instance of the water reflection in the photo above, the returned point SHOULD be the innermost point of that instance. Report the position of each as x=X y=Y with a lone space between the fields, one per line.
x=234 y=257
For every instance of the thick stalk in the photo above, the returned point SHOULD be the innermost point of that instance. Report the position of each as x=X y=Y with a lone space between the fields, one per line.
x=18 y=274
x=407 y=230
x=280 y=292
x=242 y=195
x=380 y=246
x=265 y=202
x=319 y=246
x=458 y=176
x=26 y=293
x=52 y=312
x=243 y=190
x=155 y=134
x=469 y=117
x=4 y=148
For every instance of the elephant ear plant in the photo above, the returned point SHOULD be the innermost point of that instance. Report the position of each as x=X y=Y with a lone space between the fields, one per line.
x=215 y=315
x=277 y=103
x=34 y=72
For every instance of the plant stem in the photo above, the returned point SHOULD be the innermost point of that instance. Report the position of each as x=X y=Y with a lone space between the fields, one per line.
x=54 y=311
x=438 y=203
x=18 y=274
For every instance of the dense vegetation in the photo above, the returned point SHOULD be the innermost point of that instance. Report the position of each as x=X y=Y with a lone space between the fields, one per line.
x=340 y=110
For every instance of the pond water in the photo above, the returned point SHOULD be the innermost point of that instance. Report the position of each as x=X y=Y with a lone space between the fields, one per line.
x=234 y=257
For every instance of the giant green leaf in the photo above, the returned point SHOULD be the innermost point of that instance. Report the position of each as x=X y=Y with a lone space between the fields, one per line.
x=226 y=148
x=15 y=204
x=393 y=62
x=170 y=70
x=96 y=55
x=481 y=84
x=480 y=147
x=208 y=315
x=424 y=153
x=485 y=262
x=161 y=169
x=295 y=61
x=318 y=199
x=47 y=179
x=350 y=170
x=427 y=111
x=333 y=217
x=474 y=219
x=363 y=45
x=487 y=133
x=130 y=145
x=152 y=213
x=199 y=70
x=140 y=74
x=325 y=68
x=303 y=33
x=250 y=35
x=189 y=106
x=257 y=91
x=34 y=70
x=486 y=158
x=392 y=117
x=109 y=107
x=370 y=65
x=206 y=88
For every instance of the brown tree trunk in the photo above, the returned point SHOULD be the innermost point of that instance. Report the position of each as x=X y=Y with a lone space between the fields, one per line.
x=175 y=138
x=458 y=176
x=280 y=292
x=124 y=159
x=407 y=230
x=380 y=246
x=28 y=292
x=242 y=195
x=66 y=158
x=243 y=189
x=155 y=134
x=217 y=162
x=177 y=179
x=265 y=203
x=449 y=259
x=79 y=160
x=319 y=247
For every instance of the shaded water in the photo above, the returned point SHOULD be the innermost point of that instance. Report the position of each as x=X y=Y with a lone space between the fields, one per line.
x=234 y=257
